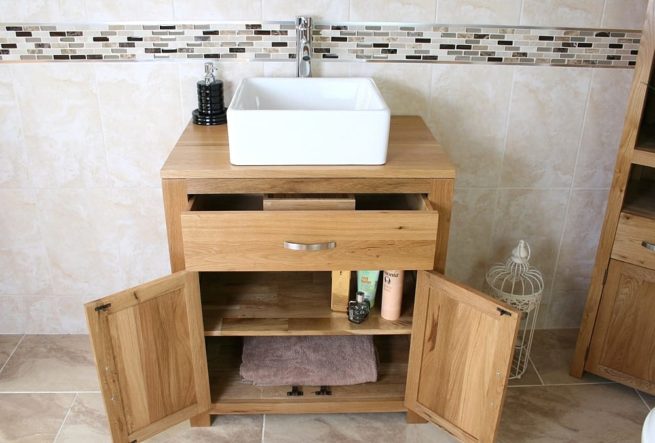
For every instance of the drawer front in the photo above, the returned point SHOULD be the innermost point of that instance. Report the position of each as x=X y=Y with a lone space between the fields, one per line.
x=635 y=241
x=309 y=240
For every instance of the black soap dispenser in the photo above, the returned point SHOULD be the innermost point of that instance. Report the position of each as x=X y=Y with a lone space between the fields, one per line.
x=211 y=106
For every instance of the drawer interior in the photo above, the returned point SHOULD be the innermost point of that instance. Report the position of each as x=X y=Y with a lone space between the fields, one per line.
x=363 y=202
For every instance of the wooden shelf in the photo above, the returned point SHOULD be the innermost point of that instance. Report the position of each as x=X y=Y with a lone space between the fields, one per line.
x=230 y=396
x=640 y=199
x=287 y=303
x=644 y=156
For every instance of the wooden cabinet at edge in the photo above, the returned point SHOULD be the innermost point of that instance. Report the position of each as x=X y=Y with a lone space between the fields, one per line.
x=150 y=341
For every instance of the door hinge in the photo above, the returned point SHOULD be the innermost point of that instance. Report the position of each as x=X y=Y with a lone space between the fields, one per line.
x=295 y=392
x=103 y=307
x=325 y=390
x=504 y=312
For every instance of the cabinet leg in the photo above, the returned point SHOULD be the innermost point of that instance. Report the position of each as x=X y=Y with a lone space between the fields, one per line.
x=414 y=419
x=201 y=421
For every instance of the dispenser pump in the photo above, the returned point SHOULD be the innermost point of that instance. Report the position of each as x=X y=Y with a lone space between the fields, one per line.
x=211 y=106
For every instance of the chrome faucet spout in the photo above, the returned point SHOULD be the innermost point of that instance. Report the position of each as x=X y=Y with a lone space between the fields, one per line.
x=303 y=46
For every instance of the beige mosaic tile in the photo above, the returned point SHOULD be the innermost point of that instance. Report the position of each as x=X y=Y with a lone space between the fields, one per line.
x=576 y=413
x=50 y=363
x=32 y=418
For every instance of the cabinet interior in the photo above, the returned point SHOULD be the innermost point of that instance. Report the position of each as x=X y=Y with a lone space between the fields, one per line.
x=289 y=303
x=224 y=360
x=640 y=192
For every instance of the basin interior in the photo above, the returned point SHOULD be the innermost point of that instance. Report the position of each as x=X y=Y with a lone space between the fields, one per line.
x=308 y=94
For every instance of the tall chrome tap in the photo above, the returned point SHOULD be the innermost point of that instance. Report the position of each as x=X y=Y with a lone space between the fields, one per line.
x=303 y=46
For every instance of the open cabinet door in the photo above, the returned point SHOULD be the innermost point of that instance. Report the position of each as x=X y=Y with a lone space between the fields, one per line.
x=460 y=356
x=150 y=353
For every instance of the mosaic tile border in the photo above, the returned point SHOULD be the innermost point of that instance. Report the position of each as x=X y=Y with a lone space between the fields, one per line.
x=383 y=42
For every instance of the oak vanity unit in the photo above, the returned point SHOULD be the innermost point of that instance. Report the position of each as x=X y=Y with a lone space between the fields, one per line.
x=169 y=350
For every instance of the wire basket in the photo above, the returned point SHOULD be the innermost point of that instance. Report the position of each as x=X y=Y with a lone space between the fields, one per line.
x=520 y=285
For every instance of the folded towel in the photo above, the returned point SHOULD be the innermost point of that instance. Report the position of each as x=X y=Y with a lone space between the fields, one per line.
x=309 y=360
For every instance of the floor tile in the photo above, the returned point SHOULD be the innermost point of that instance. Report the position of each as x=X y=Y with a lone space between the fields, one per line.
x=50 y=363
x=32 y=418
x=529 y=378
x=648 y=399
x=349 y=428
x=552 y=351
x=224 y=429
x=574 y=413
x=7 y=345
x=87 y=421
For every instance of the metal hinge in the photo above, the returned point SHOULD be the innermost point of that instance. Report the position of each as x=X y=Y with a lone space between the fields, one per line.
x=325 y=390
x=103 y=307
x=295 y=392
x=504 y=312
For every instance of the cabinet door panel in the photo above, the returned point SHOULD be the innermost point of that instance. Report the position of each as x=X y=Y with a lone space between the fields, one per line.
x=149 y=349
x=461 y=351
x=623 y=344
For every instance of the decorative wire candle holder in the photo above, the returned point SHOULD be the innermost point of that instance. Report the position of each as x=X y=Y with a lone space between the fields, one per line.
x=520 y=285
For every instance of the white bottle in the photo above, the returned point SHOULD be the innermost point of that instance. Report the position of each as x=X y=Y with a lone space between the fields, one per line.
x=392 y=294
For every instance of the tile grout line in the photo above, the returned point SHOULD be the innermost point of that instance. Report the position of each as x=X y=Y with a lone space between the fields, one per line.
x=537 y=372
x=63 y=422
x=12 y=353
x=642 y=399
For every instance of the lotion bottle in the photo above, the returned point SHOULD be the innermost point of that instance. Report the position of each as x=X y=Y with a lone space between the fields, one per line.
x=392 y=294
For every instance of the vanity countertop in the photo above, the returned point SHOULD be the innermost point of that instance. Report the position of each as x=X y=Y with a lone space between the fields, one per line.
x=413 y=153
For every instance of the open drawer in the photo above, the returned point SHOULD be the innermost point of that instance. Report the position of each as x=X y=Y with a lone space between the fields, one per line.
x=234 y=233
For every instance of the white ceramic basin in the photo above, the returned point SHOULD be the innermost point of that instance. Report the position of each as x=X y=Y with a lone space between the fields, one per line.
x=308 y=121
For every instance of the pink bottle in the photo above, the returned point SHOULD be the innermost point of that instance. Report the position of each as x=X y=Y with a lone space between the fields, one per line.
x=392 y=294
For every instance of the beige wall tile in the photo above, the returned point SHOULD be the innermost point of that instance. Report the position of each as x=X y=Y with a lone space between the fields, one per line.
x=42 y=11
x=624 y=14
x=82 y=241
x=468 y=114
x=402 y=97
x=13 y=314
x=13 y=161
x=536 y=216
x=34 y=418
x=327 y=69
x=471 y=228
x=211 y=10
x=546 y=115
x=584 y=13
x=576 y=258
x=52 y=314
x=61 y=123
x=422 y=11
x=127 y=10
x=485 y=12
x=141 y=115
x=279 y=69
x=603 y=126
x=318 y=9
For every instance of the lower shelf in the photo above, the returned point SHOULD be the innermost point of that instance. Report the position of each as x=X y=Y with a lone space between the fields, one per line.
x=230 y=396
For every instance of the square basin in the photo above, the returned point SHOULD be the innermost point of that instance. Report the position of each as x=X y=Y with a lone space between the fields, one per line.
x=308 y=121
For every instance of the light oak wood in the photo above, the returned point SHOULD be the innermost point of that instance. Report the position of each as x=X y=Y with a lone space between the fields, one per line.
x=340 y=293
x=632 y=231
x=202 y=152
x=144 y=339
x=623 y=344
x=239 y=241
x=461 y=350
x=309 y=202
x=175 y=202
x=645 y=157
x=259 y=304
x=625 y=155
x=441 y=197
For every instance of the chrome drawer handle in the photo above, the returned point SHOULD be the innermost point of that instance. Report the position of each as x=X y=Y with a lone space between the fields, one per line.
x=648 y=245
x=309 y=246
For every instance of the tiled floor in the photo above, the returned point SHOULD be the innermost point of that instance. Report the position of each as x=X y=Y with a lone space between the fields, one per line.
x=49 y=392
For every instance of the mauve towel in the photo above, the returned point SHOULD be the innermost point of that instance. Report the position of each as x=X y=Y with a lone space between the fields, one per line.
x=309 y=360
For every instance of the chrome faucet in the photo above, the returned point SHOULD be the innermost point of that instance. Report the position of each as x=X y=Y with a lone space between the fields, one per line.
x=303 y=46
